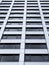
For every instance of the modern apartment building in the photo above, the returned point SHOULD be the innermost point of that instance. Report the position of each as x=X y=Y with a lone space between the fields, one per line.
x=24 y=32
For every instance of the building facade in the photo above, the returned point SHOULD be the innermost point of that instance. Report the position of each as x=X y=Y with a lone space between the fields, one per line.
x=24 y=32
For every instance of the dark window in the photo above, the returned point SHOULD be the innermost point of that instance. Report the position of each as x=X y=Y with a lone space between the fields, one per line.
x=44 y=6
x=3 y=13
x=17 y=9
x=35 y=36
x=20 y=13
x=48 y=28
x=13 y=29
x=9 y=45
x=6 y=1
x=11 y=36
x=33 y=17
x=46 y=17
x=15 y=17
x=33 y=23
x=34 y=29
x=32 y=3
x=4 y=6
x=14 y=23
x=19 y=3
x=9 y=57
x=45 y=13
x=2 y=17
x=33 y=13
x=35 y=46
x=47 y=23
x=36 y=57
x=32 y=6
x=18 y=6
x=4 y=9
x=46 y=9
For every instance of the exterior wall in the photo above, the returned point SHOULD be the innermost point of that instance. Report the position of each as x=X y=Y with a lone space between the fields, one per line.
x=31 y=13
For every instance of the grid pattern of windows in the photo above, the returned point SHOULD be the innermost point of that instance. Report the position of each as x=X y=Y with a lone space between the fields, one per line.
x=24 y=32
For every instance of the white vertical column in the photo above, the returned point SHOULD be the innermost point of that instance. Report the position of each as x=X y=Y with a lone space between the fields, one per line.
x=44 y=25
x=22 y=49
x=6 y=19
